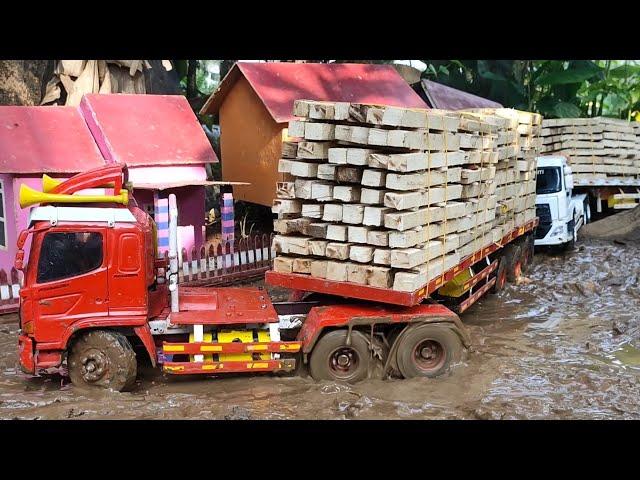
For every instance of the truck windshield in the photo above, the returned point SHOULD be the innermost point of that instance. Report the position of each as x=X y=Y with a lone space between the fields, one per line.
x=548 y=180
x=65 y=255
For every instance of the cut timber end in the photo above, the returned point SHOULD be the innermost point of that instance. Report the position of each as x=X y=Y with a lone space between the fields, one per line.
x=361 y=253
x=337 y=271
x=283 y=264
x=285 y=190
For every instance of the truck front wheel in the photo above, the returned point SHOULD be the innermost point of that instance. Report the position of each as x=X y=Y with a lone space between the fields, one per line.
x=428 y=350
x=570 y=245
x=104 y=359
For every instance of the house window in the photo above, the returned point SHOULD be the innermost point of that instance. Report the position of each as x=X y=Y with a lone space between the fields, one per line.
x=3 y=222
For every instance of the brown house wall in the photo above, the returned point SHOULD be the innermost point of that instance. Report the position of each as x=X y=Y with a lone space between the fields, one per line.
x=250 y=144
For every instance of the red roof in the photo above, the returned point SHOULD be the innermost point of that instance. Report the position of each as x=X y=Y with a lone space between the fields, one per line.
x=46 y=139
x=448 y=98
x=279 y=84
x=142 y=130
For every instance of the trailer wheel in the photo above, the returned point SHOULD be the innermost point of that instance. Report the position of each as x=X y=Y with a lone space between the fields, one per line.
x=332 y=359
x=428 y=350
x=513 y=261
x=102 y=358
x=501 y=276
x=527 y=253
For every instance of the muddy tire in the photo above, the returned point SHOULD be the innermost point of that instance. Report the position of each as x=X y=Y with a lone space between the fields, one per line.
x=331 y=359
x=512 y=261
x=428 y=350
x=102 y=359
x=571 y=244
x=527 y=253
x=501 y=276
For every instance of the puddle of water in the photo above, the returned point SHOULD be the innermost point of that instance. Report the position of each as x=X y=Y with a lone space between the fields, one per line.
x=628 y=355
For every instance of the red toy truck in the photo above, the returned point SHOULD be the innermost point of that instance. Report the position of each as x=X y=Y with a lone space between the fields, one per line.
x=95 y=289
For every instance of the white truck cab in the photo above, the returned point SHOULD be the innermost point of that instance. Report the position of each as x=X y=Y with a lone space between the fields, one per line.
x=561 y=213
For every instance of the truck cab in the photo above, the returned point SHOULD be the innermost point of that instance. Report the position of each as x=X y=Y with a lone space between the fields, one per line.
x=561 y=212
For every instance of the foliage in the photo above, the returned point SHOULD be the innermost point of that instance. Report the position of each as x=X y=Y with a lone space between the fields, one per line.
x=554 y=88
x=206 y=75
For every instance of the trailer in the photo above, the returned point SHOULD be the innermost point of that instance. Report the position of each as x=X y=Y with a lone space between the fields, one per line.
x=610 y=193
x=97 y=296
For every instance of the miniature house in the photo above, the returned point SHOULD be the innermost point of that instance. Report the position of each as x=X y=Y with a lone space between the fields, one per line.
x=255 y=103
x=440 y=96
x=157 y=136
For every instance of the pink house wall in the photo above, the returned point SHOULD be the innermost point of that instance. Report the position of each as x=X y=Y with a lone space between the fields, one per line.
x=7 y=255
x=16 y=217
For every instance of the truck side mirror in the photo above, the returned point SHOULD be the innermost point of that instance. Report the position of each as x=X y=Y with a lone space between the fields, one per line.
x=568 y=177
x=569 y=181
x=19 y=261
x=22 y=239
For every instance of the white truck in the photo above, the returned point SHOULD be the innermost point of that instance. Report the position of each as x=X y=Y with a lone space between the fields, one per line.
x=561 y=212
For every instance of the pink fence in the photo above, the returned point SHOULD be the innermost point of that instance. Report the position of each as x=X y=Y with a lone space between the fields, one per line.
x=9 y=291
x=223 y=263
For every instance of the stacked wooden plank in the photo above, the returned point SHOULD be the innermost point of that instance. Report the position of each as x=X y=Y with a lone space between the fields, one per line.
x=393 y=197
x=515 y=178
x=596 y=148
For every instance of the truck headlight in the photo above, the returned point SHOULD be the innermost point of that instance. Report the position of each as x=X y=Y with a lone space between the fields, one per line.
x=557 y=230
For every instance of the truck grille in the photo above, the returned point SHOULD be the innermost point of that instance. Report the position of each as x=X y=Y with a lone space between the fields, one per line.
x=542 y=230
x=544 y=214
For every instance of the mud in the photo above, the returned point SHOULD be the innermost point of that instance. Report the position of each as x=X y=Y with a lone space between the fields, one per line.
x=565 y=344
x=624 y=227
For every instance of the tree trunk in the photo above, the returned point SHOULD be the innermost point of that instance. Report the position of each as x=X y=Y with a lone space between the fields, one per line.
x=160 y=81
x=192 y=89
x=225 y=66
x=23 y=82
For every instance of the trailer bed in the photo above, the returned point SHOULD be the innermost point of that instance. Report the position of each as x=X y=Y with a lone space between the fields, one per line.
x=296 y=281
x=607 y=182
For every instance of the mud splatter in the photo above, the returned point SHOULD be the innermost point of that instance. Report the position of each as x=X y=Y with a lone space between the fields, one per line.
x=564 y=345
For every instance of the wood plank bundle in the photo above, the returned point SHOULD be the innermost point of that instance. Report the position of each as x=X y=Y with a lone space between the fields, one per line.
x=596 y=148
x=520 y=143
x=394 y=197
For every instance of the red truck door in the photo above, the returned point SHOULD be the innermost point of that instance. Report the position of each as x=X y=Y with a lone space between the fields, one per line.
x=70 y=281
x=127 y=286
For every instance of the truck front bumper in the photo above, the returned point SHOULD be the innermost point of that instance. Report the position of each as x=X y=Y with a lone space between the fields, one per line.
x=557 y=234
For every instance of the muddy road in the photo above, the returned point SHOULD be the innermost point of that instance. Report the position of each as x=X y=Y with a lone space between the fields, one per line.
x=564 y=344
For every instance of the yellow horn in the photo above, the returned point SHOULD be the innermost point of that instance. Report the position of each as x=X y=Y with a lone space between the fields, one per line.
x=49 y=183
x=29 y=196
